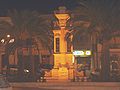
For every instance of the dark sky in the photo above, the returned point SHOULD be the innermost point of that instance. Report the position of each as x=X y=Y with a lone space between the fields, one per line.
x=43 y=6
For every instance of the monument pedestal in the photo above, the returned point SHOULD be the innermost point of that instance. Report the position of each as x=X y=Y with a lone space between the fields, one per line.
x=63 y=73
x=60 y=73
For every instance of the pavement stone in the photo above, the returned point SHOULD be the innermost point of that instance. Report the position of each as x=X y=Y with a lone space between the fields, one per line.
x=70 y=85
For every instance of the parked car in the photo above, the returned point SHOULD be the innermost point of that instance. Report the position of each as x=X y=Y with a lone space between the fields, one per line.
x=4 y=84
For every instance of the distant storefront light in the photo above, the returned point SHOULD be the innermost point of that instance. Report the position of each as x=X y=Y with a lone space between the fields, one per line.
x=82 y=53
x=78 y=53
x=88 y=52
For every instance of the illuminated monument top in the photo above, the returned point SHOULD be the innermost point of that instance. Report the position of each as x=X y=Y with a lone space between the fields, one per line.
x=62 y=16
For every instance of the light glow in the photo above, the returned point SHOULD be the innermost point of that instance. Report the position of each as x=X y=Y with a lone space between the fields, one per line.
x=12 y=40
x=88 y=52
x=82 y=53
x=3 y=40
x=78 y=53
x=8 y=36
x=25 y=70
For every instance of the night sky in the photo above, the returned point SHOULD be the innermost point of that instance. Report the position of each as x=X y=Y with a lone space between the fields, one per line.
x=43 y=6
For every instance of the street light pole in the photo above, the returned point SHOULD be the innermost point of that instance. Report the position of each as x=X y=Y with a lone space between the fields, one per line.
x=3 y=44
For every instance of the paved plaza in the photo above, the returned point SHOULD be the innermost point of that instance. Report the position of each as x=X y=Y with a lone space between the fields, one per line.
x=65 y=85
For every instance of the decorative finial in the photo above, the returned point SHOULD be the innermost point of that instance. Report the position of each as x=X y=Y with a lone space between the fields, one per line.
x=62 y=9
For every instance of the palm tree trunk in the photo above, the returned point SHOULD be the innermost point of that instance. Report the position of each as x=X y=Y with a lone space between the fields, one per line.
x=105 y=62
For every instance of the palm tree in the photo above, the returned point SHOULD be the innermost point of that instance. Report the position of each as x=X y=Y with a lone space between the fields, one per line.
x=30 y=24
x=103 y=17
x=25 y=26
x=4 y=28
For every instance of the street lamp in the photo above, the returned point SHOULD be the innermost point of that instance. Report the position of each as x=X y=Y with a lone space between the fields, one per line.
x=4 y=43
x=8 y=35
x=7 y=40
x=2 y=40
x=11 y=40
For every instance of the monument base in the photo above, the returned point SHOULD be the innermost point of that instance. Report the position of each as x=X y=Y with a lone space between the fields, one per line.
x=62 y=73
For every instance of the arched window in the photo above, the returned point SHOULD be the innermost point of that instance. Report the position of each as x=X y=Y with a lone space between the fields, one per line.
x=69 y=45
x=57 y=45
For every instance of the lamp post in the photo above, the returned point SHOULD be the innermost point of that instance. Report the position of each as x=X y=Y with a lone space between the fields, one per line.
x=3 y=45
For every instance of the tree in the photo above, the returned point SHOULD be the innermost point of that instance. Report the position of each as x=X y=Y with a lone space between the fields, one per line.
x=27 y=26
x=103 y=16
